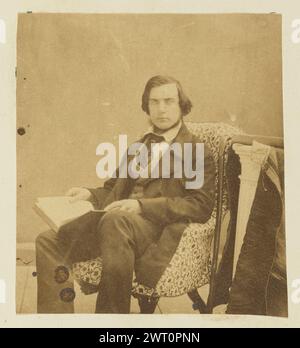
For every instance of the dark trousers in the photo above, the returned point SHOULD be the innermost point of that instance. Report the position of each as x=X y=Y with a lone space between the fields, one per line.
x=120 y=238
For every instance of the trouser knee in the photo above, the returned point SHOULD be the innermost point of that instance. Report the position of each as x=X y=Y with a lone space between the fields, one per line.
x=115 y=225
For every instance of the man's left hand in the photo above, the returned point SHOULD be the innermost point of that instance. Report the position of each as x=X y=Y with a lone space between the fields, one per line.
x=130 y=205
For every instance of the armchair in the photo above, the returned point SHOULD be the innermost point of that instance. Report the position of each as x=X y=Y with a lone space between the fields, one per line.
x=195 y=261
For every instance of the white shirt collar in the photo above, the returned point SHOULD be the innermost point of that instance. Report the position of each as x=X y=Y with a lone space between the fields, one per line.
x=168 y=135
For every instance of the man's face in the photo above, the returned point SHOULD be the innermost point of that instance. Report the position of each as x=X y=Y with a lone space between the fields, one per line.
x=164 y=106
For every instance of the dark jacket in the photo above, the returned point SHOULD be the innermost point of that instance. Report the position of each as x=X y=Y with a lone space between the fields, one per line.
x=173 y=206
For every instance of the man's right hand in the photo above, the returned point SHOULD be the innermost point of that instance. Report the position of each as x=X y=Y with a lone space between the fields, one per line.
x=78 y=193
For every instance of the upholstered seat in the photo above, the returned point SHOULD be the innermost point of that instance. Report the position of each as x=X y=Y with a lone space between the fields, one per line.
x=190 y=266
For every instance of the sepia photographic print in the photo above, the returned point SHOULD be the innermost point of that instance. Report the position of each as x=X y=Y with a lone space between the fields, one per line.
x=150 y=164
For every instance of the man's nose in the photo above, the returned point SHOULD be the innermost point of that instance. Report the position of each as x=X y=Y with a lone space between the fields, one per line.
x=162 y=106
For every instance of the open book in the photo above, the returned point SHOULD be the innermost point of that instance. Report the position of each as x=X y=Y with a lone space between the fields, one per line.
x=58 y=211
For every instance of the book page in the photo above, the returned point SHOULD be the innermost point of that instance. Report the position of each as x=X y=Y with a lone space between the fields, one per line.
x=60 y=210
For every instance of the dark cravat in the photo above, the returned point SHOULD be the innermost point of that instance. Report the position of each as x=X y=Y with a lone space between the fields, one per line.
x=138 y=188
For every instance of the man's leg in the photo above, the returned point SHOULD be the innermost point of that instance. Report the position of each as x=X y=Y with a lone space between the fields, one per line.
x=121 y=237
x=51 y=255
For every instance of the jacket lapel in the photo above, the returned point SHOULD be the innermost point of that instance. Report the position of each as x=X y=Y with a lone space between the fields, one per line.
x=183 y=136
x=123 y=186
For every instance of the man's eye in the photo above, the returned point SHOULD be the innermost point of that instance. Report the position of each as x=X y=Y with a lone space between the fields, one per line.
x=167 y=101
x=170 y=101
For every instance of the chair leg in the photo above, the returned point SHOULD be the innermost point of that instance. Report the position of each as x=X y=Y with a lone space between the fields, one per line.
x=147 y=304
x=198 y=303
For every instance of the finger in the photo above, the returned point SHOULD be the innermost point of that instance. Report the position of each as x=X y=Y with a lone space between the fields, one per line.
x=124 y=208
x=109 y=209
x=113 y=205
x=81 y=196
x=115 y=209
x=72 y=192
x=74 y=198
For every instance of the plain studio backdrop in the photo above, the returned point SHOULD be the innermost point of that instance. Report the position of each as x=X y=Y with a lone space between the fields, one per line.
x=80 y=78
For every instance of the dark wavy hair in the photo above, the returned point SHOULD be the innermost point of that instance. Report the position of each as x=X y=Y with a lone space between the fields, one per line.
x=159 y=80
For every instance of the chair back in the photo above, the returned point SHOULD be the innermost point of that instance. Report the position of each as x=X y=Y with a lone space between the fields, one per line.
x=217 y=136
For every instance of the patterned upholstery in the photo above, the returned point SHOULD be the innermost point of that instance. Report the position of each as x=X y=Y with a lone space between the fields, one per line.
x=190 y=265
x=88 y=271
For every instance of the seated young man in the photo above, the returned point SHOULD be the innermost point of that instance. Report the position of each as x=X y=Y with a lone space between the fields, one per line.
x=145 y=217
